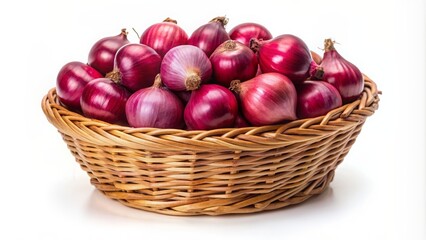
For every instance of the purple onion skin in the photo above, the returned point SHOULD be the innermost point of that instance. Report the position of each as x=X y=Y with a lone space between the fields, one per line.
x=105 y=100
x=342 y=74
x=244 y=32
x=268 y=98
x=184 y=96
x=101 y=55
x=240 y=121
x=285 y=54
x=164 y=36
x=181 y=65
x=138 y=64
x=210 y=107
x=154 y=107
x=316 y=98
x=70 y=82
x=210 y=35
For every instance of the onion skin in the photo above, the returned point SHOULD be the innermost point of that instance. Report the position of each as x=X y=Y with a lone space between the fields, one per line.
x=259 y=71
x=101 y=55
x=316 y=98
x=342 y=74
x=316 y=72
x=135 y=66
x=210 y=107
x=210 y=35
x=316 y=57
x=164 y=36
x=185 y=68
x=268 y=98
x=154 y=107
x=184 y=96
x=105 y=100
x=241 y=122
x=245 y=31
x=233 y=60
x=285 y=54
x=70 y=82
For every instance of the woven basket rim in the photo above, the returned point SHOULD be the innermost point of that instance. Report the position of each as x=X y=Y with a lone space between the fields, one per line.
x=247 y=138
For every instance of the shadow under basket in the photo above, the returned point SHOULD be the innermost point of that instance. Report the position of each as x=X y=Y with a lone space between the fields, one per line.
x=221 y=171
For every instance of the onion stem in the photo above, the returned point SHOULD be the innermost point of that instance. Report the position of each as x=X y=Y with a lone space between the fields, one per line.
x=115 y=76
x=192 y=82
x=170 y=20
x=329 y=45
x=235 y=86
x=223 y=20
x=230 y=45
x=157 y=82
x=254 y=45
x=124 y=32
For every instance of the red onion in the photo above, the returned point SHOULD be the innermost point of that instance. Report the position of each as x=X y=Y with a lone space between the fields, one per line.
x=211 y=106
x=268 y=98
x=209 y=36
x=316 y=98
x=135 y=66
x=154 y=107
x=164 y=36
x=101 y=55
x=233 y=60
x=286 y=54
x=342 y=74
x=246 y=31
x=185 y=67
x=70 y=82
x=104 y=100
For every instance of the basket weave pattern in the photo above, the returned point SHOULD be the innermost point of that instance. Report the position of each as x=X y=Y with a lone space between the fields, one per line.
x=222 y=171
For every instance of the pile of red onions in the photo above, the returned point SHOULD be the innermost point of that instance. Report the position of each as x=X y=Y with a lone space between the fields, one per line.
x=212 y=79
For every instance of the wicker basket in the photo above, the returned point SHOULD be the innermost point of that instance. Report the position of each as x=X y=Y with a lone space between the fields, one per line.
x=215 y=172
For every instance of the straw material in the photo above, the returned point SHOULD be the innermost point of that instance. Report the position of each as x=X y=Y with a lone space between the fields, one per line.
x=222 y=171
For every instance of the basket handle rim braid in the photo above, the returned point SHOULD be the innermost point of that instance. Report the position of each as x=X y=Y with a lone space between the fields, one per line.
x=238 y=139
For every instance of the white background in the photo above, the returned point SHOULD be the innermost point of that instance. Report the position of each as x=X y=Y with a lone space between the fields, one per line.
x=379 y=189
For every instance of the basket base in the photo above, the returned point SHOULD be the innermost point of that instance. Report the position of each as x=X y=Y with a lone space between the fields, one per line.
x=207 y=206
